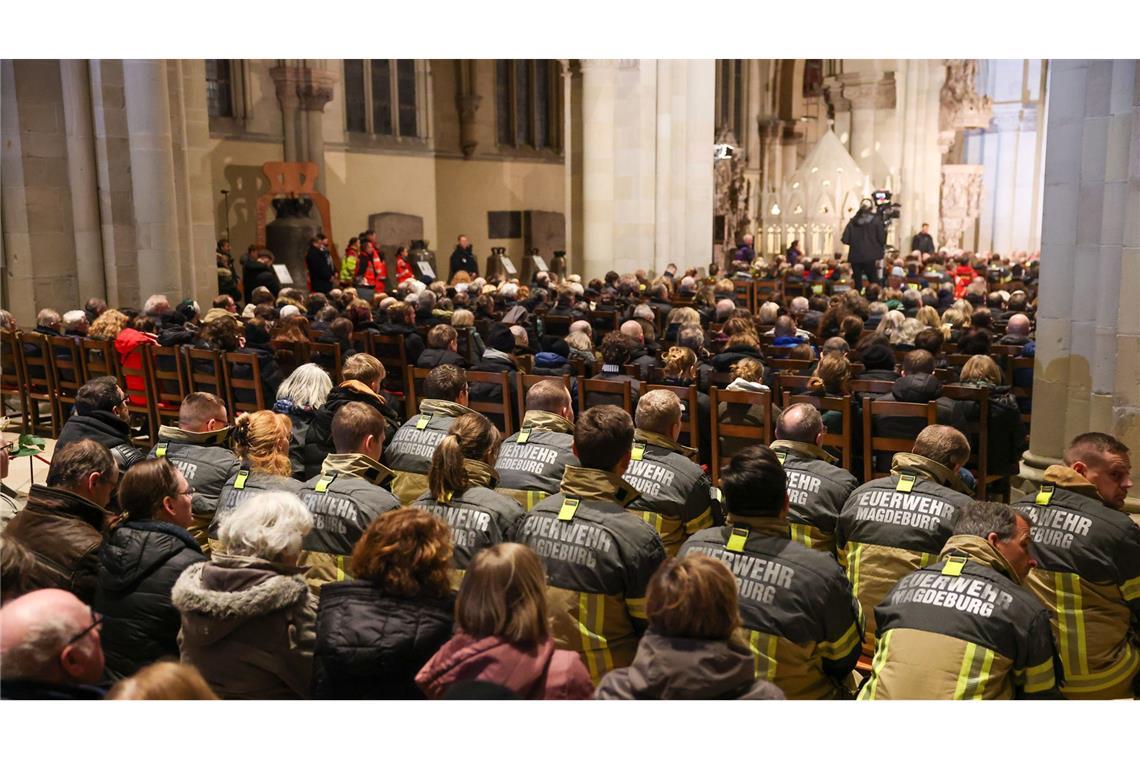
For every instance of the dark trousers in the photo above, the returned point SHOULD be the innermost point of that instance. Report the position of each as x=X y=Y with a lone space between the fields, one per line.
x=870 y=268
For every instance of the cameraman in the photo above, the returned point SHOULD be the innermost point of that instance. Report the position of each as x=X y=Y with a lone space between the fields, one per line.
x=866 y=235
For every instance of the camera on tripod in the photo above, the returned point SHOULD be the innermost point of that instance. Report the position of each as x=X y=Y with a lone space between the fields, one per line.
x=887 y=209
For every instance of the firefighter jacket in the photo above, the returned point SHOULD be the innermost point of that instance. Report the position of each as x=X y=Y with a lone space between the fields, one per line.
x=963 y=628
x=343 y=500
x=478 y=517
x=411 y=448
x=206 y=463
x=599 y=559
x=244 y=484
x=802 y=623
x=894 y=525
x=531 y=461
x=817 y=491
x=1088 y=576
x=676 y=494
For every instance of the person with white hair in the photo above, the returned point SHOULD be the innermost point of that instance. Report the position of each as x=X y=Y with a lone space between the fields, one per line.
x=158 y=308
x=75 y=323
x=768 y=312
x=289 y=310
x=248 y=618
x=510 y=292
x=724 y=309
x=50 y=647
x=299 y=397
x=639 y=355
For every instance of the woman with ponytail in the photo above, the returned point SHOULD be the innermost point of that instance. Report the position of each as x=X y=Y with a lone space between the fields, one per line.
x=138 y=564
x=261 y=440
x=461 y=484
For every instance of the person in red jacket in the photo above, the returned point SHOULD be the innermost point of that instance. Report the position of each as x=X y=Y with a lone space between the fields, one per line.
x=503 y=633
x=130 y=345
x=403 y=266
x=964 y=274
x=372 y=267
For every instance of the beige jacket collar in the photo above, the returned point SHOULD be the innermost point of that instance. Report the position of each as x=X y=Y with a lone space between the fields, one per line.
x=769 y=526
x=172 y=434
x=480 y=473
x=979 y=549
x=547 y=421
x=586 y=483
x=664 y=441
x=913 y=463
x=444 y=408
x=809 y=450
x=357 y=466
x=1066 y=477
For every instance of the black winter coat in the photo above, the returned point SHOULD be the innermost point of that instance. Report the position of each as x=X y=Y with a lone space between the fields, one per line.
x=318 y=438
x=867 y=236
x=413 y=343
x=108 y=429
x=433 y=357
x=723 y=361
x=138 y=565
x=1006 y=441
x=371 y=645
x=493 y=393
x=320 y=267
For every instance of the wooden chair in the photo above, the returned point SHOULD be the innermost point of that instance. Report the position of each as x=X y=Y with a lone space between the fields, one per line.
x=789 y=384
x=327 y=356
x=204 y=372
x=414 y=382
x=1023 y=393
x=167 y=379
x=721 y=379
x=290 y=354
x=39 y=386
x=389 y=349
x=556 y=325
x=687 y=395
x=871 y=387
x=742 y=293
x=465 y=344
x=843 y=441
x=244 y=394
x=524 y=382
x=610 y=390
x=978 y=432
x=494 y=410
x=751 y=433
x=873 y=444
x=67 y=373
x=99 y=357
x=362 y=341
x=766 y=289
x=792 y=366
x=11 y=374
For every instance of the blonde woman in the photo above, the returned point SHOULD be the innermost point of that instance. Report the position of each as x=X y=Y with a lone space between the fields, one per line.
x=928 y=317
x=1005 y=439
x=681 y=371
x=503 y=634
x=261 y=440
x=163 y=680
x=108 y=325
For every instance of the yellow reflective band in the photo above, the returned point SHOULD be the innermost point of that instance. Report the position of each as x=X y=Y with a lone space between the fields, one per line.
x=242 y=476
x=524 y=436
x=737 y=540
x=1130 y=589
x=1039 y=677
x=962 y=687
x=569 y=507
x=340 y=574
x=800 y=533
x=423 y=421
x=1124 y=669
x=654 y=520
x=782 y=456
x=906 y=483
x=954 y=566
x=700 y=522
x=834 y=650
x=817 y=289
x=1044 y=495
x=913 y=285
x=637 y=452
x=1071 y=624
x=636 y=607
x=534 y=497
x=877 y=663
x=324 y=483
x=160 y=450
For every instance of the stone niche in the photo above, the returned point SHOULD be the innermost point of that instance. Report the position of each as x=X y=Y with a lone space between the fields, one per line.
x=546 y=231
x=393 y=230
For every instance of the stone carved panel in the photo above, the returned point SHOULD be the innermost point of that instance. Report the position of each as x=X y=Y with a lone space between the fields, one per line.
x=961 y=201
x=731 y=189
x=962 y=106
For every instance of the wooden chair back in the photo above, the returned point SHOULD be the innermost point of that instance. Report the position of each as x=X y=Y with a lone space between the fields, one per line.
x=978 y=433
x=496 y=411
x=389 y=349
x=844 y=440
x=605 y=392
x=242 y=373
x=327 y=357
x=67 y=373
x=871 y=387
x=12 y=373
x=39 y=386
x=874 y=444
x=166 y=381
x=742 y=293
x=751 y=433
x=556 y=325
x=204 y=372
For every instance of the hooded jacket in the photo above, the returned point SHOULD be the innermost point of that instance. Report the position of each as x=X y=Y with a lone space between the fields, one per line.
x=478 y=517
x=343 y=500
x=963 y=628
x=679 y=668
x=248 y=625
x=599 y=559
x=63 y=531
x=139 y=563
x=1088 y=577
x=723 y=361
x=130 y=344
x=318 y=436
x=243 y=484
x=108 y=429
x=370 y=645
x=206 y=463
x=675 y=495
x=895 y=525
x=410 y=450
x=866 y=235
x=817 y=491
x=531 y=462
x=803 y=626
x=541 y=672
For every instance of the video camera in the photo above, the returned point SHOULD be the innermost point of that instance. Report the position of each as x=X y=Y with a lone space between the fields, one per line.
x=887 y=210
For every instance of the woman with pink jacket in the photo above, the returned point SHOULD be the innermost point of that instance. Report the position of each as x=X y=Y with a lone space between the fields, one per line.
x=503 y=633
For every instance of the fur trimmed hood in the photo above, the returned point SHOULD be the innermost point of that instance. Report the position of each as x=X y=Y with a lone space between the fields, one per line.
x=219 y=596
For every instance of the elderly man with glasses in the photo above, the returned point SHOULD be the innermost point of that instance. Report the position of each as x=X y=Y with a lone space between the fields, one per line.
x=50 y=647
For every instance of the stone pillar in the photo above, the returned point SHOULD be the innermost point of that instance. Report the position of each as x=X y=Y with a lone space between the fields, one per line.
x=1006 y=122
x=303 y=89
x=919 y=157
x=82 y=173
x=1087 y=369
x=599 y=90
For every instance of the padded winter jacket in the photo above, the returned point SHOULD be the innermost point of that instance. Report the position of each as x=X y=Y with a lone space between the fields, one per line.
x=538 y=672
x=318 y=436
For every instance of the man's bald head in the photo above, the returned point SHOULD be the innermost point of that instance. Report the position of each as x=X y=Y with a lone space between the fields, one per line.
x=800 y=422
x=633 y=330
x=785 y=327
x=46 y=635
x=1018 y=325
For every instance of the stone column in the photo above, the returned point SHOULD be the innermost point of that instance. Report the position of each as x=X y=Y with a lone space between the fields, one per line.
x=82 y=175
x=1006 y=122
x=1087 y=369
x=599 y=89
x=303 y=89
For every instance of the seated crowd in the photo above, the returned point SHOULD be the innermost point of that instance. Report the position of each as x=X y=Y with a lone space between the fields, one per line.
x=675 y=545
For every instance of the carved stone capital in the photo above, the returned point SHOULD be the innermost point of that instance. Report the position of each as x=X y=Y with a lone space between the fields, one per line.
x=848 y=91
x=962 y=106
x=302 y=87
